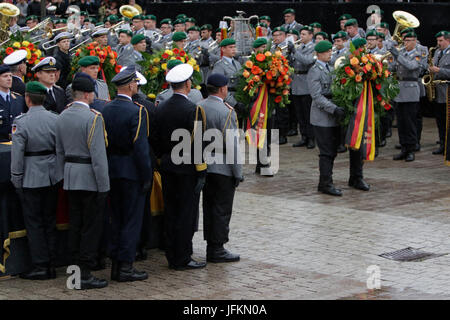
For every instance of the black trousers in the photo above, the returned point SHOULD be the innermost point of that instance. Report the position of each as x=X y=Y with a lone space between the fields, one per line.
x=127 y=210
x=85 y=227
x=281 y=120
x=180 y=210
x=293 y=122
x=407 y=124
x=440 y=113
x=39 y=214
x=303 y=110
x=218 y=195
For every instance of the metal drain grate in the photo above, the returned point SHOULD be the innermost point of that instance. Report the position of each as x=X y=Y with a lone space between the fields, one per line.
x=410 y=254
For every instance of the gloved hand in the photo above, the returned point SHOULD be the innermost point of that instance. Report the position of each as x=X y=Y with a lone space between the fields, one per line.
x=240 y=108
x=290 y=48
x=147 y=185
x=394 y=51
x=205 y=57
x=237 y=181
x=339 y=113
x=201 y=180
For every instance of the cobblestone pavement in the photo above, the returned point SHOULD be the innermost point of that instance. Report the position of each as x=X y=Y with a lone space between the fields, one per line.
x=298 y=244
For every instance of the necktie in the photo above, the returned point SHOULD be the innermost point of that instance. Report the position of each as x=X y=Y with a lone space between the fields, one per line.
x=96 y=89
x=234 y=64
x=441 y=53
x=328 y=68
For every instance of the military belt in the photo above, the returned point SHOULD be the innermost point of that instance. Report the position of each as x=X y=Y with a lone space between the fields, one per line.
x=39 y=153
x=328 y=96
x=74 y=159
x=300 y=72
x=408 y=79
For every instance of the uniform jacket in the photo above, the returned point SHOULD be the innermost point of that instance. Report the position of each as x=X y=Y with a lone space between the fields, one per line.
x=57 y=104
x=441 y=59
x=223 y=118
x=128 y=149
x=34 y=131
x=322 y=108
x=124 y=54
x=101 y=91
x=80 y=132
x=194 y=95
x=297 y=26
x=231 y=71
x=337 y=54
x=8 y=112
x=64 y=60
x=18 y=85
x=301 y=60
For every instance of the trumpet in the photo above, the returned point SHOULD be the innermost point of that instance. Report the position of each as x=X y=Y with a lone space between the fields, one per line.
x=296 y=44
x=168 y=45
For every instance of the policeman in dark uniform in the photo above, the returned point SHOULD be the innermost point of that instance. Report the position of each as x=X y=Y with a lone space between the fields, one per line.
x=55 y=99
x=130 y=171
x=11 y=104
x=33 y=174
x=17 y=61
x=182 y=182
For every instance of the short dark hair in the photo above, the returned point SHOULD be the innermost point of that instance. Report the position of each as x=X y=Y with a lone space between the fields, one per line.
x=178 y=85
x=212 y=89
x=36 y=99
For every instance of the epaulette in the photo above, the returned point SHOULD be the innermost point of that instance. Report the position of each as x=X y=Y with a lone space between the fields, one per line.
x=201 y=166
x=14 y=94
x=56 y=86
x=92 y=130
x=164 y=91
x=20 y=116
x=101 y=80
x=141 y=107
x=95 y=111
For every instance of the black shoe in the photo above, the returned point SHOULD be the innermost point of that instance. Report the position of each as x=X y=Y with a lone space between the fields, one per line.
x=382 y=143
x=409 y=157
x=221 y=255
x=398 y=146
x=439 y=150
x=191 y=265
x=93 y=283
x=141 y=254
x=330 y=189
x=36 y=274
x=101 y=265
x=341 y=148
x=311 y=144
x=115 y=267
x=301 y=143
x=292 y=132
x=417 y=148
x=400 y=156
x=282 y=140
x=358 y=183
x=128 y=273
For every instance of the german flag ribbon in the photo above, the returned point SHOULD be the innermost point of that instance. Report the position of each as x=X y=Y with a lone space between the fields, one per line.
x=258 y=119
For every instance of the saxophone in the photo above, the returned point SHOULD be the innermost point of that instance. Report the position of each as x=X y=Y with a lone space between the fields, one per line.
x=428 y=79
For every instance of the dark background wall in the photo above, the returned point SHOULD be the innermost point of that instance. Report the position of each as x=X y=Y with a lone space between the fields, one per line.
x=433 y=17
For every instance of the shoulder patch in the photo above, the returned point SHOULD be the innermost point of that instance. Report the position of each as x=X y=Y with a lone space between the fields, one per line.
x=14 y=128
x=95 y=111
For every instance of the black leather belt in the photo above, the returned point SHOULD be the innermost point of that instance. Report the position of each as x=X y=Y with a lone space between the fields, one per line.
x=300 y=72
x=408 y=79
x=74 y=159
x=328 y=96
x=39 y=153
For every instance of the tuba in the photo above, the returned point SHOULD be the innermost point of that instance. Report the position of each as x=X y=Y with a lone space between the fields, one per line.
x=428 y=79
x=404 y=20
x=7 y=12
x=128 y=11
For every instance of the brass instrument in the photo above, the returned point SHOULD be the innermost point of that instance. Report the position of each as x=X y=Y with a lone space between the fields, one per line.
x=404 y=20
x=428 y=79
x=168 y=45
x=128 y=11
x=383 y=57
x=296 y=45
x=211 y=47
x=7 y=12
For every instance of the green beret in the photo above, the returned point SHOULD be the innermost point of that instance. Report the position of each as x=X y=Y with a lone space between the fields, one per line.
x=137 y=38
x=218 y=30
x=410 y=34
x=84 y=13
x=384 y=25
x=372 y=33
x=112 y=18
x=31 y=18
x=442 y=33
x=89 y=61
x=290 y=10
x=126 y=31
x=166 y=21
x=193 y=28
x=227 y=42
x=278 y=29
x=381 y=35
x=406 y=31
x=190 y=20
x=351 y=22
x=358 y=43
x=259 y=42
x=178 y=36
x=307 y=28
x=35 y=87
x=138 y=17
x=321 y=33
x=293 y=31
x=323 y=46
x=340 y=35
x=178 y=21
x=262 y=24
x=150 y=17
x=206 y=27
x=345 y=16
x=316 y=25
x=173 y=63
x=267 y=18
x=181 y=16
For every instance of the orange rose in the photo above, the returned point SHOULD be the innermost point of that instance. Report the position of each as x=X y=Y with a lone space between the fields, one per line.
x=364 y=59
x=368 y=66
x=358 y=78
x=248 y=64
x=256 y=70
x=92 y=53
x=269 y=75
x=112 y=61
x=272 y=90
x=256 y=78
x=9 y=50
x=386 y=73
x=268 y=53
x=272 y=83
x=246 y=74
x=285 y=92
x=354 y=61
x=260 y=57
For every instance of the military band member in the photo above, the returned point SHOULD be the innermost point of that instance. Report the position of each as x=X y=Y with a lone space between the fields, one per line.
x=46 y=71
x=352 y=29
x=182 y=182
x=113 y=39
x=150 y=23
x=380 y=43
x=179 y=40
x=441 y=71
x=279 y=40
x=289 y=20
x=317 y=27
x=223 y=177
x=408 y=64
x=266 y=20
x=325 y=117
x=130 y=172
x=179 y=25
x=139 y=45
x=340 y=47
x=101 y=37
x=81 y=159
x=190 y=22
x=205 y=42
x=193 y=45
x=383 y=28
x=302 y=59
x=372 y=42
x=215 y=55
x=320 y=36
x=265 y=31
x=294 y=34
x=343 y=20
x=138 y=24
x=31 y=22
x=62 y=56
x=125 y=48
x=33 y=174
x=166 y=31
x=17 y=62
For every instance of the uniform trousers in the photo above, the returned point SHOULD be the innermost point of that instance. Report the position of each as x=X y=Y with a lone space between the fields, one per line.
x=218 y=195
x=127 y=209
x=282 y=120
x=39 y=213
x=180 y=212
x=440 y=113
x=303 y=110
x=406 y=113
x=85 y=227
